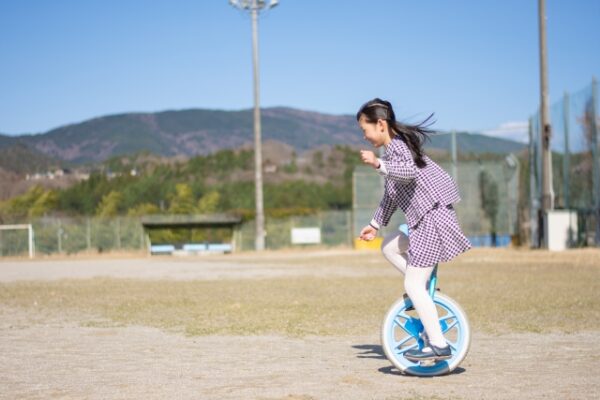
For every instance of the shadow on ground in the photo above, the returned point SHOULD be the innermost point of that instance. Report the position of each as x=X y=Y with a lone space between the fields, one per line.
x=370 y=351
x=375 y=351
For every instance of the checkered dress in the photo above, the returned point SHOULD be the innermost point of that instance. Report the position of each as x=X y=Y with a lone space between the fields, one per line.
x=425 y=195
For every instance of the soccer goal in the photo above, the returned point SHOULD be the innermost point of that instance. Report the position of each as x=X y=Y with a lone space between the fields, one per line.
x=16 y=241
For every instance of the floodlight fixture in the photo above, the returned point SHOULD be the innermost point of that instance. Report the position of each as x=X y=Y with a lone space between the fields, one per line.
x=253 y=4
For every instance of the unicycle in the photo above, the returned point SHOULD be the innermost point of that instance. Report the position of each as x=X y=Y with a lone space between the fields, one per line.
x=402 y=330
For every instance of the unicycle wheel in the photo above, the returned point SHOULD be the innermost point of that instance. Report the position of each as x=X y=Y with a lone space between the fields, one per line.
x=402 y=330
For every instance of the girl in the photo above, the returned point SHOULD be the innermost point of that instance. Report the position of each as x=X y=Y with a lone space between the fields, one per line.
x=425 y=193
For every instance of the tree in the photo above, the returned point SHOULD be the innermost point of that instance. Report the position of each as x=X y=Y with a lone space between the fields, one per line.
x=45 y=203
x=318 y=159
x=110 y=204
x=35 y=202
x=488 y=191
x=209 y=203
x=143 y=209
x=182 y=202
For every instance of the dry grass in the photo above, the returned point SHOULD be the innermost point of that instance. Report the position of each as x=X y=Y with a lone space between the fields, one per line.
x=502 y=291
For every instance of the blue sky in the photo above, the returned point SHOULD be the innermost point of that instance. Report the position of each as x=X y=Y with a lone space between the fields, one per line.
x=475 y=63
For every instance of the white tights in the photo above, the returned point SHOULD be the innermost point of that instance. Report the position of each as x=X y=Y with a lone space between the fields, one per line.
x=394 y=249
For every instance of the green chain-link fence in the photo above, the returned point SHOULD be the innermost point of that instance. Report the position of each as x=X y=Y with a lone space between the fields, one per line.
x=575 y=162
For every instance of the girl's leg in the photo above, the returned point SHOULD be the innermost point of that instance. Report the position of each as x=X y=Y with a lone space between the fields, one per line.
x=394 y=248
x=415 y=283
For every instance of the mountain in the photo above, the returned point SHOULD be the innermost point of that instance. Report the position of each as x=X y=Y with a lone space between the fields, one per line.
x=201 y=131
x=22 y=159
x=189 y=133
x=6 y=141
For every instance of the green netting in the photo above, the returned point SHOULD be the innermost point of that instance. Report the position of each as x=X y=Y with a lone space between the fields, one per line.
x=575 y=161
x=335 y=229
x=74 y=235
x=14 y=242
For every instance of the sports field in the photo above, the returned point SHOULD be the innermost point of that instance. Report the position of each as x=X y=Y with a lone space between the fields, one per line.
x=290 y=325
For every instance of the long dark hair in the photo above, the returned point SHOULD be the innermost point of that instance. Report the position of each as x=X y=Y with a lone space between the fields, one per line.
x=413 y=135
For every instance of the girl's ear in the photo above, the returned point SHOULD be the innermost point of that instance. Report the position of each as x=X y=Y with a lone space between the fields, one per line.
x=382 y=125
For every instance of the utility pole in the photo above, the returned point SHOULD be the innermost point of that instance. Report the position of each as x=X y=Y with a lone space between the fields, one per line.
x=546 y=129
x=254 y=7
x=453 y=152
x=595 y=158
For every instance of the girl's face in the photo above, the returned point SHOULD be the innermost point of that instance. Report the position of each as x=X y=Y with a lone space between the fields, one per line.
x=375 y=132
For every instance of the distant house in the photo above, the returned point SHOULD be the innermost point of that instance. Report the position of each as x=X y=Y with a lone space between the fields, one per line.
x=57 y=174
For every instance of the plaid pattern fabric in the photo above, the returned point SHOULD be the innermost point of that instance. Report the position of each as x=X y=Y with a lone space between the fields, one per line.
x=437 y=238
x=423 y=194
x=414 y=190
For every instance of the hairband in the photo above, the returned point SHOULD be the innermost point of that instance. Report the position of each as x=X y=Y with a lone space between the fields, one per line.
x=377 y=104
x=386 y=109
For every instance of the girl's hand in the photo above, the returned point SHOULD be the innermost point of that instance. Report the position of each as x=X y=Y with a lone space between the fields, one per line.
x=368 y=233
x=369 y=158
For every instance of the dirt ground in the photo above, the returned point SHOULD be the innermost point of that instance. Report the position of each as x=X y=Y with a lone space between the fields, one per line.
x=51 y=357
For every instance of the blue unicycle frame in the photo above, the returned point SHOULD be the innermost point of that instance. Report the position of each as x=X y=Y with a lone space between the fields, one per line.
x=402 y=330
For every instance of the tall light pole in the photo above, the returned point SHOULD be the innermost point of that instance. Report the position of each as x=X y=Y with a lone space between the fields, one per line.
x=547 y=195
x=254 y=7
x=546 y=134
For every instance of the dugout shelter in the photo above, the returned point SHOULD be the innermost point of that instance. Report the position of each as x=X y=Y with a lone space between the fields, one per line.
x=191 y=234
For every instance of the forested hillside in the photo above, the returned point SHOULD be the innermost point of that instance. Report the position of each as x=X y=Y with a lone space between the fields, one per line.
x=145 y=184
x=193 y=161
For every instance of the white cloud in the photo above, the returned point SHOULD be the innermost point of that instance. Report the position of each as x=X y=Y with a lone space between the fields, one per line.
x=513 y=130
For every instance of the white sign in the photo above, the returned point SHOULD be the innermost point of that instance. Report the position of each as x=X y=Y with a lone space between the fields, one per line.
x=306 y=235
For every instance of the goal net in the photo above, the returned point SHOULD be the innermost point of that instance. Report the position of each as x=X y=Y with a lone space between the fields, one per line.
x=16 y=240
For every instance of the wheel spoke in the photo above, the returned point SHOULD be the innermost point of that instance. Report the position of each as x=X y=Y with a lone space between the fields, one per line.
x=406 y=339
x=402 y=314
x=414 y=346
x=450 y=326
x=447 y=317
x=403 y=327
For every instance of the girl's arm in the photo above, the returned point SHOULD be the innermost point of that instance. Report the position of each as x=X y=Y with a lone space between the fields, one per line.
x=400 y=166
x=368 y=233
x=384 y=212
